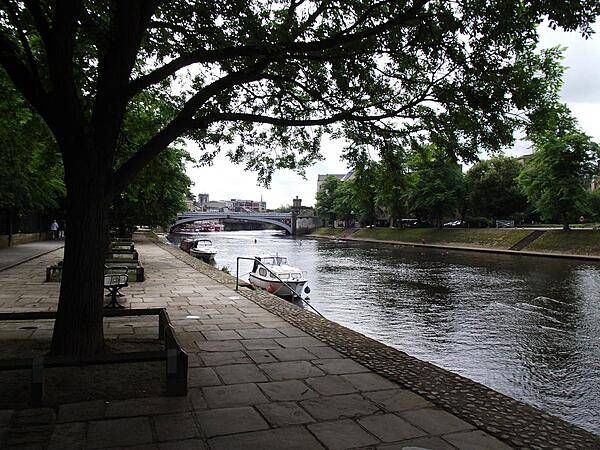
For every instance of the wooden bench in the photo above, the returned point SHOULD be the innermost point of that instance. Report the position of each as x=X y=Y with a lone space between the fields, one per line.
x=176 y=359
x=115 y=278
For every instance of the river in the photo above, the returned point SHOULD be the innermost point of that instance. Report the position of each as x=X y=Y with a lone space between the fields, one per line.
x=528 y=327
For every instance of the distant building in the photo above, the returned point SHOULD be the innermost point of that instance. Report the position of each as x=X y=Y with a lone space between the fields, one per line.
x=339 y=176
x=202 y=200
x=240 y=205
x=214 y=205
x=524 y=158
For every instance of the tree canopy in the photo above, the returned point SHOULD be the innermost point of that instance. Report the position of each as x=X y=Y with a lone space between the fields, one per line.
x=558 y=174
x=31 y=173
x=493 y=190
x=269 y=77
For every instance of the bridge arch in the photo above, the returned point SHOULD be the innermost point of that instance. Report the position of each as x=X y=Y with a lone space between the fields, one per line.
x=277 y=219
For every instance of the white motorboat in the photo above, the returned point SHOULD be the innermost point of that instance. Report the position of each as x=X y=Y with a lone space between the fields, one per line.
x=273 y=274
x=203 y=249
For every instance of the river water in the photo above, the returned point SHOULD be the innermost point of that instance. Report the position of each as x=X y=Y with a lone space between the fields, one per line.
x=528 y=327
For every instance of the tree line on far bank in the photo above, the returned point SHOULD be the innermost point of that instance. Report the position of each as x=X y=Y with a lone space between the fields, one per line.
x=426 y=183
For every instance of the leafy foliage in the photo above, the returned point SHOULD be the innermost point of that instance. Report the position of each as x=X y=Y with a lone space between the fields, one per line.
x=31 y=173
x=326 y=196
x=436 y=183
x=557 y=175
x=493 y=190
x=156 y=195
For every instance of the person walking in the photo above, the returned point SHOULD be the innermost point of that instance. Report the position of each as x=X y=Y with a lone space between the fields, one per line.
x=54 y=229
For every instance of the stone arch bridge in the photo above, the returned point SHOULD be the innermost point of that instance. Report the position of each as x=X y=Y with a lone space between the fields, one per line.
x=283 y=220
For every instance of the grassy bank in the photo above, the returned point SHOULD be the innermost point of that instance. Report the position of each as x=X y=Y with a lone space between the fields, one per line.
x=473 y=237
x=577 y=242
x=328 y=232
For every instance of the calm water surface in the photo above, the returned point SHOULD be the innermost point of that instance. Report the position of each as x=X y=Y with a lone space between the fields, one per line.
x=527 y=327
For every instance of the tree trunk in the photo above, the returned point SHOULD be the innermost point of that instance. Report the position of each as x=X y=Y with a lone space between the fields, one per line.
x=78 y=329
x=565 y=223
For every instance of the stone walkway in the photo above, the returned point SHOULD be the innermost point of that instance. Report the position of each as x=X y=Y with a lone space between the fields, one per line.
x=256 y=381
x=18 y=254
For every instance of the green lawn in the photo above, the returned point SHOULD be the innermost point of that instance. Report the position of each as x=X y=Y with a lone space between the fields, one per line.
x=477 y=237
x=333 y=232
x=580 y=242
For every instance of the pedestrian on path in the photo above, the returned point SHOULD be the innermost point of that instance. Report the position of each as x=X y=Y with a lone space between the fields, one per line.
x=54 y=229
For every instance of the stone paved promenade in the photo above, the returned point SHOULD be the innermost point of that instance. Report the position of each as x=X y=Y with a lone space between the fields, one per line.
x=256 y=381
x=20 y=253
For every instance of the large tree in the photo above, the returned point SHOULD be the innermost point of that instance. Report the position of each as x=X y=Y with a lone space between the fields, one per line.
x=436 y=184
x=556 y=177
x=492 y=188
x=326 y=196
x=263 y=75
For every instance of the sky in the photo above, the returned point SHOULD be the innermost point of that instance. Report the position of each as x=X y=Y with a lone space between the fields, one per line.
x=581 y=91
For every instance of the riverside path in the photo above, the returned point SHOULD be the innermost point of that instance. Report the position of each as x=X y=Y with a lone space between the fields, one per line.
x=265 y=374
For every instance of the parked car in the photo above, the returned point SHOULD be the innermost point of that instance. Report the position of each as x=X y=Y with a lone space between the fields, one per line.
x=455 y=224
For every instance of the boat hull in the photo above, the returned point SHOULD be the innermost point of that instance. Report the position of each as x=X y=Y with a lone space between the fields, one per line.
x=206 y=256
x=277 y=287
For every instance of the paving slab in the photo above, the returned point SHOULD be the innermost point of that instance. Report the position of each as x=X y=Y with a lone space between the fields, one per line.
x=436 y=421
x=289 y=438
x=223 y=358
x=342 y=434
x=331 y=385
x=398 y=400
x=475 y=439
x=240 y=373
x=339 y=406
x=147 y=406
x=424 y=443
x=68 y=435
x=291 y=370
x=171 y=427
x=280 y=414
x=291 y=390
x=218 y=422
x=119 y=432
x=390 y=427
x=202 y=376
x=369 y=382
x=76 y=412
x=186 y=444
x=233 y=395
x=292 y=354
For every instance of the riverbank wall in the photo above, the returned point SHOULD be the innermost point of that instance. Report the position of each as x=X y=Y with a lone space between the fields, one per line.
x=575 y=244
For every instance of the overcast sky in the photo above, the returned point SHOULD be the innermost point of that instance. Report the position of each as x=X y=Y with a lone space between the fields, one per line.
x=581 y=91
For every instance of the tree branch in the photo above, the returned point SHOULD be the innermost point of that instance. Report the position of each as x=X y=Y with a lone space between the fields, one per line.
x=39 y=18
x=22 y=76
x=288 y=122
x=179 y=125
x=286 y=51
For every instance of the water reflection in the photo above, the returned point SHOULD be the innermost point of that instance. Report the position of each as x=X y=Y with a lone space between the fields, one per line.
x=527 y=327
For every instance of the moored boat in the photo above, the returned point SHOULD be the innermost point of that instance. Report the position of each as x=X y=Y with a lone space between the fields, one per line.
x=273 y=274
x=203 y=249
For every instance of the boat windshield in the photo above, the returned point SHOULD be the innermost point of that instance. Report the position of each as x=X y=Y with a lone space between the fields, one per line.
x=274 y=260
